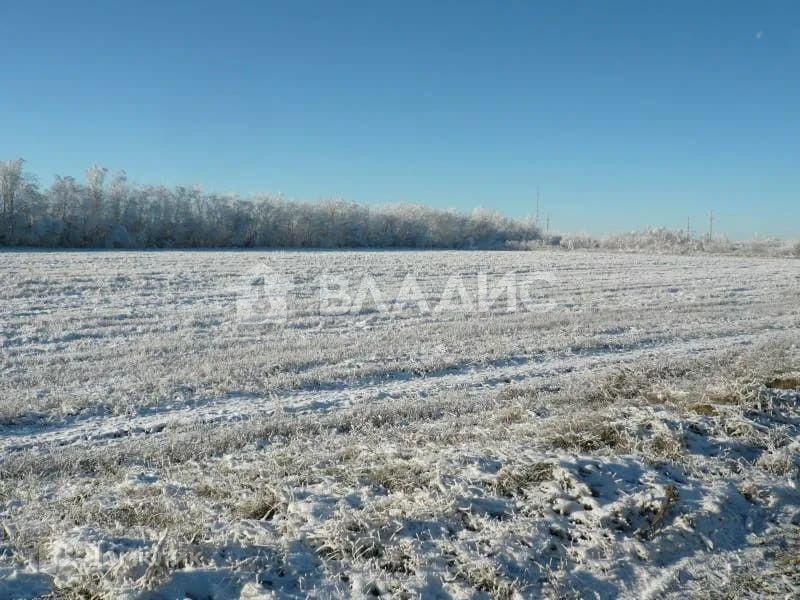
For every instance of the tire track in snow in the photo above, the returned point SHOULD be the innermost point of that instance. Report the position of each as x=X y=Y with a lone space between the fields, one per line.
x=100 y=430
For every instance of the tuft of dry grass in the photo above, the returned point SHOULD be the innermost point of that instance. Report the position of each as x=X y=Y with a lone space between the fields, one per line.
x=263 y=506
x=704 y=409
x=398 y=475
x=483 y=576
x=348 y=537
x=786 y=382
x=778 y=462
x=590 y=435
x=512 y=481
x=665 y=445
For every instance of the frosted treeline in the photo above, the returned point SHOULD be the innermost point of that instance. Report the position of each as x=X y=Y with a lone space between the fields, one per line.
x=672 y=241
x=109 y=211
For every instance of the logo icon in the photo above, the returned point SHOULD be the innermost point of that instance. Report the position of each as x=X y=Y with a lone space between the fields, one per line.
x=262 y=297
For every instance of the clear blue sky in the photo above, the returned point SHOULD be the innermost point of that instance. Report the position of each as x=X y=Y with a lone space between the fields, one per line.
x=625 y=114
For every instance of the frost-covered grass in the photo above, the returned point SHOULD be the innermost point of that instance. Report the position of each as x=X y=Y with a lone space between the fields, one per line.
x=670 y=241
x=639 y=439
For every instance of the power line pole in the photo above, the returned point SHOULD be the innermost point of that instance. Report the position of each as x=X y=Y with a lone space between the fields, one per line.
x=689 y=227
x=537 y=204
x=548 y=224
x=710 y=225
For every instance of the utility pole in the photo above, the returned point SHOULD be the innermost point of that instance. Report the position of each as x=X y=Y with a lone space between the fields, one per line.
x=537 y=204
x=689 y=227
x=548 y=224
x=710 y=225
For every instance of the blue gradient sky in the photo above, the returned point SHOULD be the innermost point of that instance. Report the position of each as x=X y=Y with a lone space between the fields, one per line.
x=625 y=114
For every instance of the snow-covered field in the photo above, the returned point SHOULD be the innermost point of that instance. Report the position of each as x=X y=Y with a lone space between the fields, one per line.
x=632 y=431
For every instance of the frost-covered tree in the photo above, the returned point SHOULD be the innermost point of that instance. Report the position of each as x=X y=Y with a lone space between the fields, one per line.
x=95 y=178
x=121 y=214
x=10 y=181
